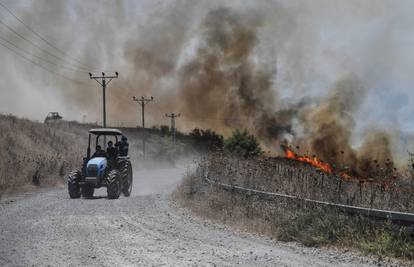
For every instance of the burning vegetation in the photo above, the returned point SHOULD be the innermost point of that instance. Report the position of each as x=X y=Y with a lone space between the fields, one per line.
x=325 y=142
x=313 y=161
x=384 y=175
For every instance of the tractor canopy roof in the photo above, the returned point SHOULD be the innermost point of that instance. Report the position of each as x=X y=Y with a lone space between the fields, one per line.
x=105 y=131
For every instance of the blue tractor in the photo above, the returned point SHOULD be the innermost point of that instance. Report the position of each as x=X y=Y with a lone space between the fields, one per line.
x=111 y=168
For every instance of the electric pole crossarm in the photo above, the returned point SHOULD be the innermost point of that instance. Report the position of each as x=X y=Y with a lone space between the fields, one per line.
x=103 y=76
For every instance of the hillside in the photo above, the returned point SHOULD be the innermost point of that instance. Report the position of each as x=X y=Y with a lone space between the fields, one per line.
x=38 y=153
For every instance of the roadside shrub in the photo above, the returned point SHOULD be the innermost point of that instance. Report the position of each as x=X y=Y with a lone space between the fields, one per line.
x=165 y=130
x=242 y=143
x=206 y=140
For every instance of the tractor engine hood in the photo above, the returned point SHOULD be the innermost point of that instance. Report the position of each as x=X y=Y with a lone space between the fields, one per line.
x=96 y=167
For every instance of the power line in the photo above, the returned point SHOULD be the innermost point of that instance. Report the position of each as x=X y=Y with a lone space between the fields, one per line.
x=36 y=45
x=40 y=66
x=38 y=57
x=39 y=36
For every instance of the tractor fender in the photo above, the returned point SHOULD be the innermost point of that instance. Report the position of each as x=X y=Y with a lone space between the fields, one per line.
x=74 y=176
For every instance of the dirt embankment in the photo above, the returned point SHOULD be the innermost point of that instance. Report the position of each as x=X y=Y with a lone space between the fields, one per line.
x=37 y=153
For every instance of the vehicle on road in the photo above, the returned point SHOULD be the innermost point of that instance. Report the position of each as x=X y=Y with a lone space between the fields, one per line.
x=53 y=116
x=102 y=169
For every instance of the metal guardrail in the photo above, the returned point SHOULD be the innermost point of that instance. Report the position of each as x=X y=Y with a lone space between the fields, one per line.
x=397 y=217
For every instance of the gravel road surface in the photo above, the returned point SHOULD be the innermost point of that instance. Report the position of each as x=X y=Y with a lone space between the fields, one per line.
x=46 y=228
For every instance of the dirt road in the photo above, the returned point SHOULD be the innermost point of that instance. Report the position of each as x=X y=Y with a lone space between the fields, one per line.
x=146 y=229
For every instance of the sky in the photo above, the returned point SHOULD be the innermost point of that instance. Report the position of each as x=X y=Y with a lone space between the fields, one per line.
x=306 y=46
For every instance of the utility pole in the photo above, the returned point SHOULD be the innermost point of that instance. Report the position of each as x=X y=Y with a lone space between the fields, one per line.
x=173 y=116
x=103 y=81
x=143 y=101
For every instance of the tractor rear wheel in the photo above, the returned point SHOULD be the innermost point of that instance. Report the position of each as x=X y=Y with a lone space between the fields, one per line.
x=114 y=184
x=87 y=191
x=73 y=184
x=126 y=178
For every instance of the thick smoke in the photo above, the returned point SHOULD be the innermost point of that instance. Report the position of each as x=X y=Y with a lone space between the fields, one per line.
x=222 y=83
x=277 y=68
x=329 y=127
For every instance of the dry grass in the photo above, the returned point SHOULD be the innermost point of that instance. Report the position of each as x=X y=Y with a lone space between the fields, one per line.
x=38 y=153
x=35 y=152
x=291 y=177
x=297 y=221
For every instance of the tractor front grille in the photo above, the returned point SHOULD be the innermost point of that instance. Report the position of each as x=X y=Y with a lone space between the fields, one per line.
x=92 y=170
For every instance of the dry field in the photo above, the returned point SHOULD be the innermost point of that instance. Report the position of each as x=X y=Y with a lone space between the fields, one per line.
x=33 y=152
x=296 y=221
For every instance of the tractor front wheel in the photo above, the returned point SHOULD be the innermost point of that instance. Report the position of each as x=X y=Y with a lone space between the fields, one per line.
x=127 y=178
x=114 y=184
x=73 y=184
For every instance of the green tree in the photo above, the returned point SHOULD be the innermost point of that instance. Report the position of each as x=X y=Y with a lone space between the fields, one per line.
x=242 y=143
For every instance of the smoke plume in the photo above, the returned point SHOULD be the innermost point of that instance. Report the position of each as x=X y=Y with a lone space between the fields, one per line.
x=331 y=77
x=329 y=127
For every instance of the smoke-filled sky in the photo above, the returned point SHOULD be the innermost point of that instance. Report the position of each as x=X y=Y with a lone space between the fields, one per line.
x=284 y=69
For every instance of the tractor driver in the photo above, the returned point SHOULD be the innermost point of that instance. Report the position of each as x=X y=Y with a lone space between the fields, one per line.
x=111 y=151
x=99 y=152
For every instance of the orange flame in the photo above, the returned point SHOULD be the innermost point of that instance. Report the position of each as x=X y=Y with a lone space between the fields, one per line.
x=314 y=161
x=325 y=167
